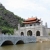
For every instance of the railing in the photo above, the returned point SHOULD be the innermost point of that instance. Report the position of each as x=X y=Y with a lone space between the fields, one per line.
x=29 y=27
x=2 y=35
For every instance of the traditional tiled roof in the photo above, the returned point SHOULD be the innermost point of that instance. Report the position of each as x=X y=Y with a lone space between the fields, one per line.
x=31 y=20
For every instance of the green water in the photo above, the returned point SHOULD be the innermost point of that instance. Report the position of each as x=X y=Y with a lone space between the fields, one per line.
x=30 y=46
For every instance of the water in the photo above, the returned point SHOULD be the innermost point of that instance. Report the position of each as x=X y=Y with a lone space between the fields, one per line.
x=30 y=46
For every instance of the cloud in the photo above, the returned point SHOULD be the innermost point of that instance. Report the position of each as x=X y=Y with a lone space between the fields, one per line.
x=45 y=1
x=23 y=4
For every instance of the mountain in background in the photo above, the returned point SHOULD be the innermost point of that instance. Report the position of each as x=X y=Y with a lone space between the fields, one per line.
x=8 y=21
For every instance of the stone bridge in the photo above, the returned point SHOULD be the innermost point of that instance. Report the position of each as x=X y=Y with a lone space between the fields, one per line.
x=13 y=39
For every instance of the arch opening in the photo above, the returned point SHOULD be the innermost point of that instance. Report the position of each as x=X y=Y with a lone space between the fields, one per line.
x=20 y=42
x=38 y=33
x=29 y=33
x=22 y=34
x=5 y=43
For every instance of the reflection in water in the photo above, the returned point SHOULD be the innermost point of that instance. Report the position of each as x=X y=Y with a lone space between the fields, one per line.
x=30 y=46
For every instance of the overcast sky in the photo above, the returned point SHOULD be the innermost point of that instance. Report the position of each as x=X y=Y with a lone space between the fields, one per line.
x=29 y=8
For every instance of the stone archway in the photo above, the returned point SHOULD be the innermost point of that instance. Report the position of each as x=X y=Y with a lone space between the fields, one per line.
x=20 y=42
x=7 y=42
x=38 y=33
x=29 y=33
x=22 y=34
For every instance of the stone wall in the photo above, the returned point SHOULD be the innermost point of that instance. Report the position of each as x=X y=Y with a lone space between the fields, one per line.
x=34 y=29
x=14 y=39
x=48 y=31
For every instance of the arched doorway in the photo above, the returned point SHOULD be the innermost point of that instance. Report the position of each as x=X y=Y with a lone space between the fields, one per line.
x=22 y=34
x=29 y=33
x=20 y=42
x=7 y=43
x=38 y=33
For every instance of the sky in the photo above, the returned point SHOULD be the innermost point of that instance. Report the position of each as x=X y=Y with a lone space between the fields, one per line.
x=28 y=8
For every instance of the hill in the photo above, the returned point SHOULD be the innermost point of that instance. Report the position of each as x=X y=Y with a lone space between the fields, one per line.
x=8 y=21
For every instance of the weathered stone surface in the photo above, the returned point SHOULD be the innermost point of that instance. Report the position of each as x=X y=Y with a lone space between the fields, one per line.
x=14 y=39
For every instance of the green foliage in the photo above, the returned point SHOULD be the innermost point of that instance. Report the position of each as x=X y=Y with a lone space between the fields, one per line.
x=1 y=8
x=3 y=22
x=5 y=11
x=7 y=30
x=4 y=25
x=49 y=33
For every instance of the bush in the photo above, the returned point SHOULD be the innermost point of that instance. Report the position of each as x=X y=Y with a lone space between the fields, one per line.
x=8 y=30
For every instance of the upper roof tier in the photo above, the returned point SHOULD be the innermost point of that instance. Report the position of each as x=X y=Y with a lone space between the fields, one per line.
x=31 y=20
